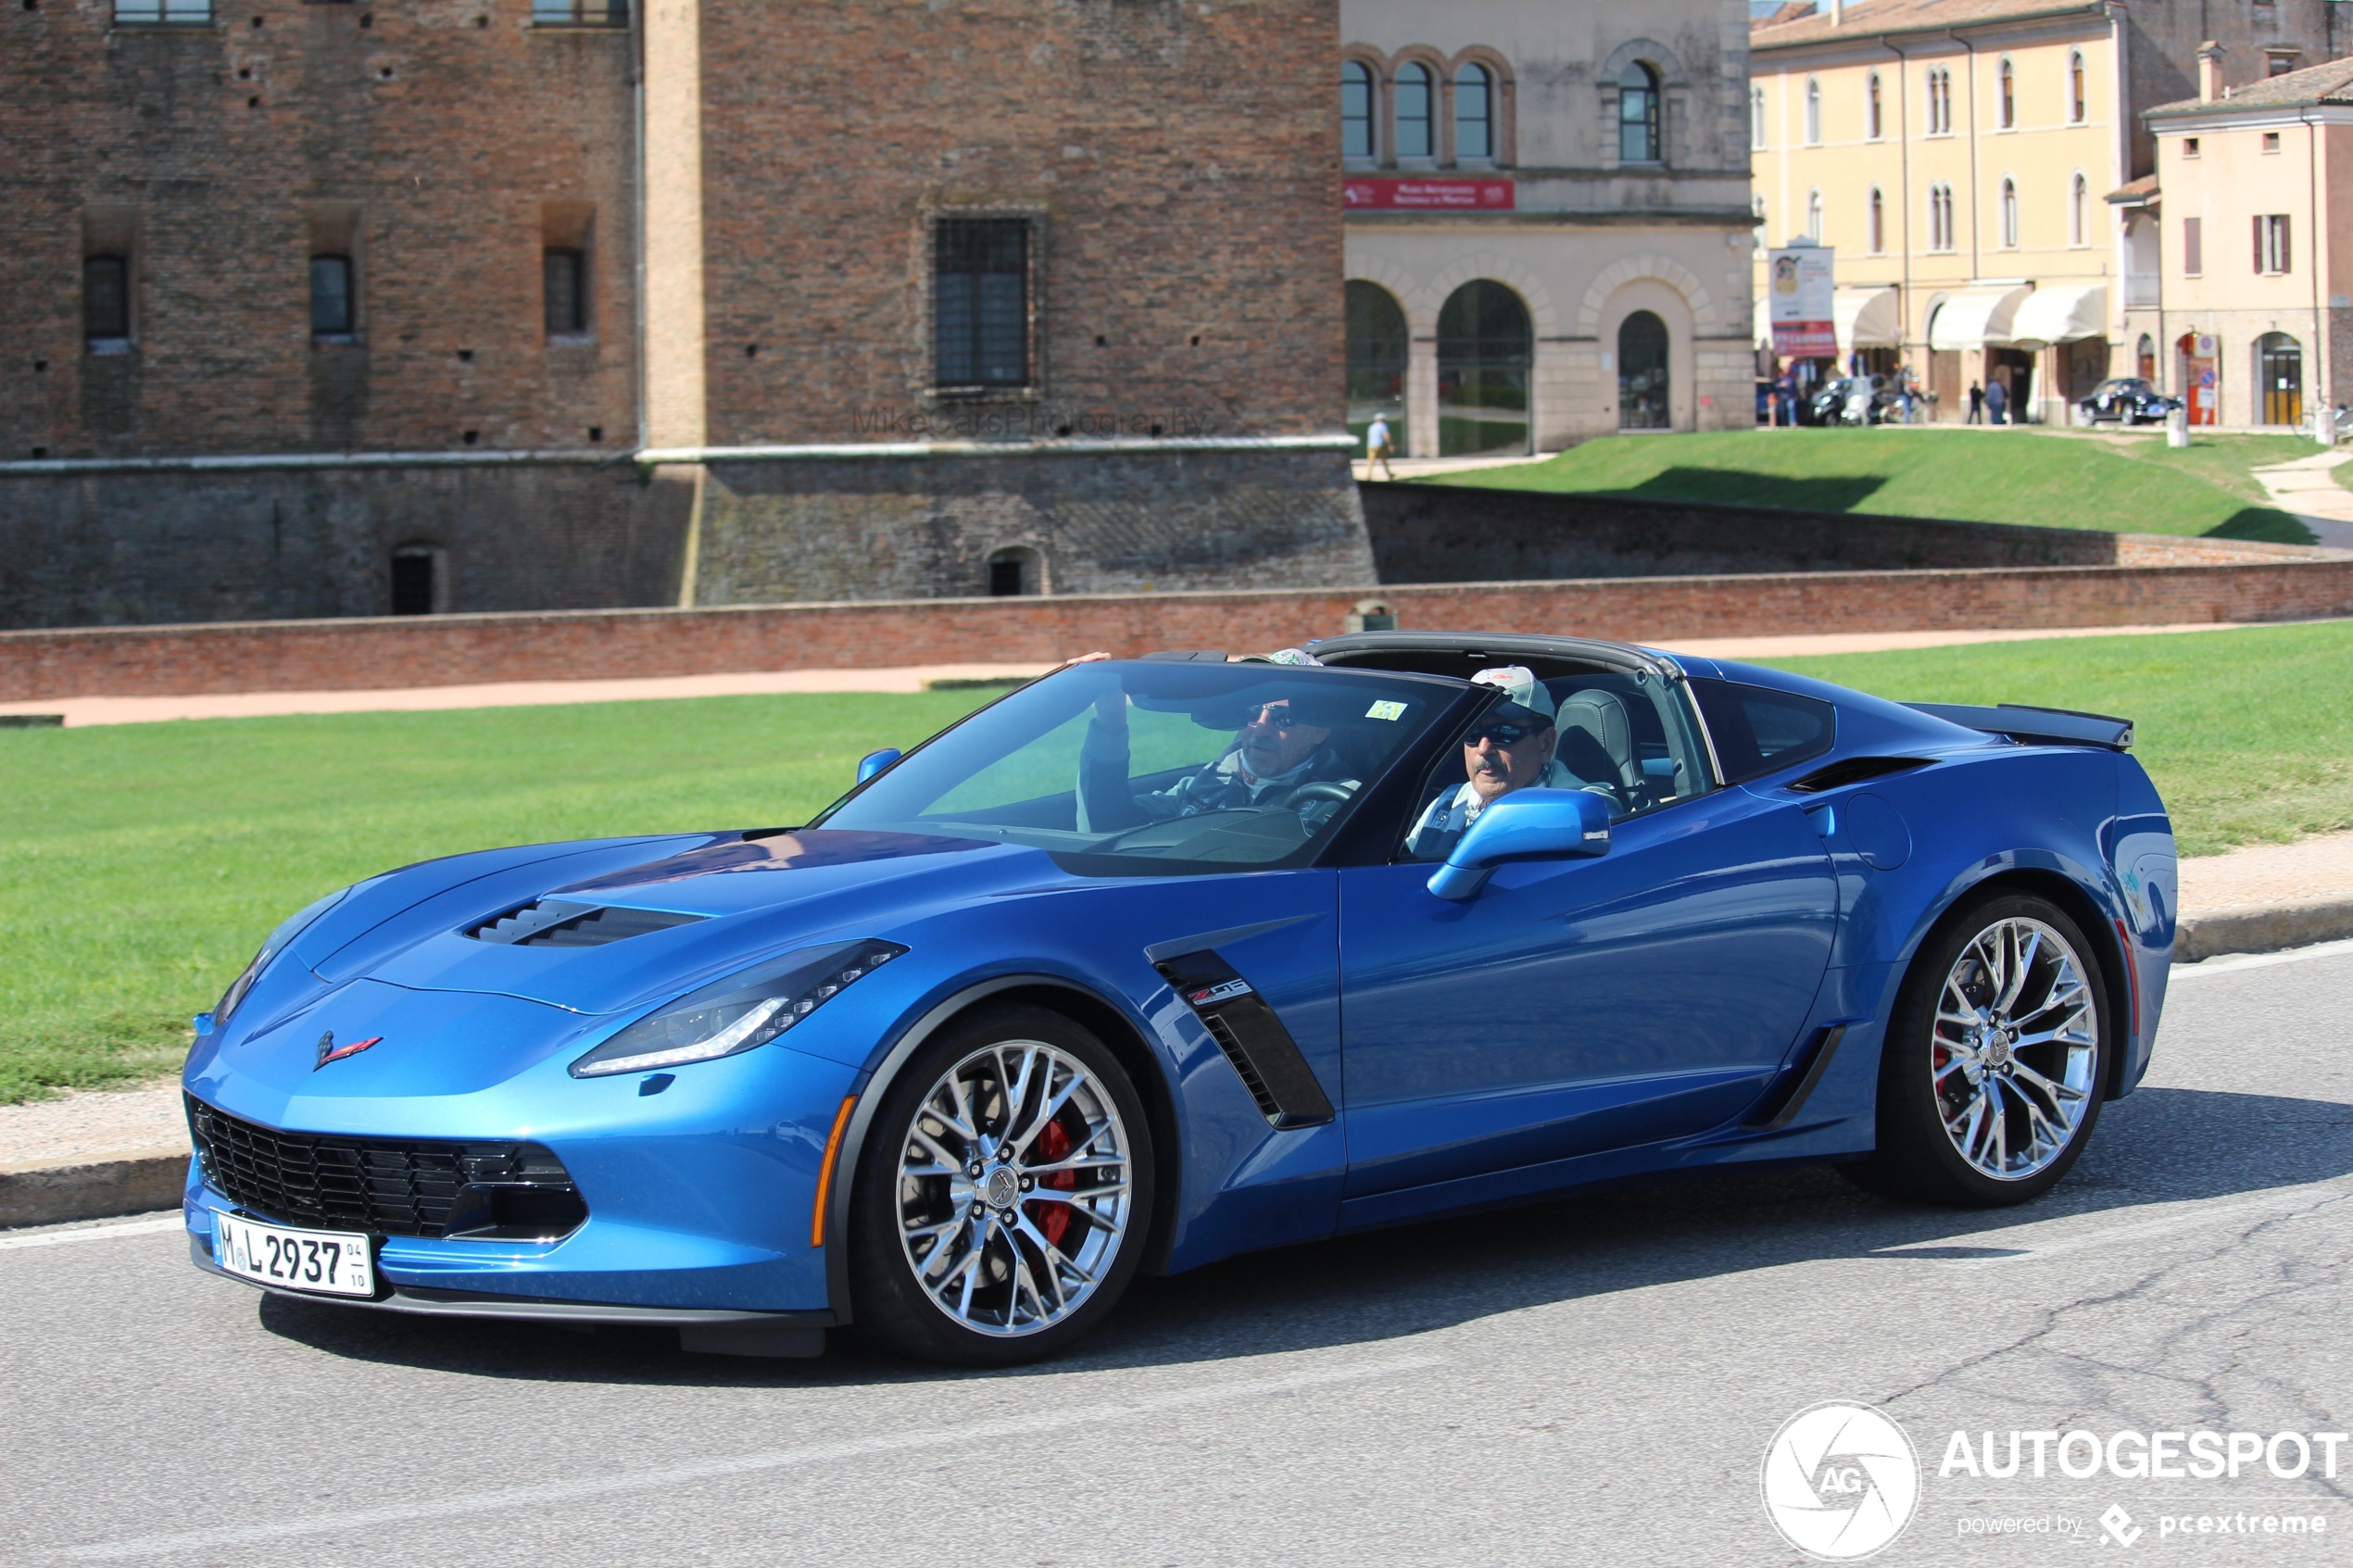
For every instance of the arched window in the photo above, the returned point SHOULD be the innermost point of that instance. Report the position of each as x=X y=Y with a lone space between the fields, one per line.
x=1413 y=112
x=1485 y=346
x=1878 y=230
x=2009 y=213
x=2076 y=109
x=2005 y=89
x=106 y=299
x=1813 y=112
x=1014 y=571
x=1756 y=117
x=2078 y=191
x=1939 y=218
x=1870 y=106
x=1940 y=102
x=2145 y=358
x=1813 y=216
x=1643 y=382
x=1356 y=111
x=1638 y=128
x=1376 y=350
x=1474 y=113
x=1764 y=240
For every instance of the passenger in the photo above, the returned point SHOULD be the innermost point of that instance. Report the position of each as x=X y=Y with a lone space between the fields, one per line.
x=1274 y=754
x=1511 y=749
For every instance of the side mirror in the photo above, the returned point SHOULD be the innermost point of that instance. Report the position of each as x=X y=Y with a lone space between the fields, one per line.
x=1527 y=825
x=202 y=1025
x=875 y=761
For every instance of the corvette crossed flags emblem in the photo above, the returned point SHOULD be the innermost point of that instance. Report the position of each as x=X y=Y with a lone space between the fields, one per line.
x=329 y=1051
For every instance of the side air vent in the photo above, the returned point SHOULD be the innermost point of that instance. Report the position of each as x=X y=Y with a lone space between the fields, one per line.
x=1854 y=770
x=1252 y=1037
x=554 y=924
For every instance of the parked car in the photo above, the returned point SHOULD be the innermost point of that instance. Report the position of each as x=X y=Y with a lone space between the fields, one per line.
x=1032 y=1007
x=2128 y=400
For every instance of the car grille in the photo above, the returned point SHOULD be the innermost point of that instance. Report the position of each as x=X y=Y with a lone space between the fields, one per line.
x=386 y=1187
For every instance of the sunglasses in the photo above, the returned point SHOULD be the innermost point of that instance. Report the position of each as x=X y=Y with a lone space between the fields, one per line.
x=1502 y=734
x=1274 y=715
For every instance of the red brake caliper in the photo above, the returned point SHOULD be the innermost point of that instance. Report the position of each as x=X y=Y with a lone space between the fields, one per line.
x=1052 y=1219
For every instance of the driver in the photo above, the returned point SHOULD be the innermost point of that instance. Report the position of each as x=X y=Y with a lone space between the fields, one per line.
x=1511 y=749
x=1273 y=753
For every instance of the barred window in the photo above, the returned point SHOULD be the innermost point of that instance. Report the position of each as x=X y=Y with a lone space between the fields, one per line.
x=564 y=275
x=149 y=13
x=106 y=299
x=331 y=305
x=980 y=303
x=580 y=13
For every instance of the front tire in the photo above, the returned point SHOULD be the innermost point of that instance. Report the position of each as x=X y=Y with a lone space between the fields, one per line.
x=1003 y=1194
x=1990 y=1080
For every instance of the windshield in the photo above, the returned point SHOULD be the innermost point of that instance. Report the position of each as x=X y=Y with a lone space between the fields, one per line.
x=1152 y=768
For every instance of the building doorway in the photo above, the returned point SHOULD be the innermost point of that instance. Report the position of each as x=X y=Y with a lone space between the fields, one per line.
x=2014 y=368
x=1376 y=352
x=1485 y=347
x=2086 y=366
x=1643 y=382
x=2146 y=360
x=2201 y=382
x=2279 y=370
x=416 y=586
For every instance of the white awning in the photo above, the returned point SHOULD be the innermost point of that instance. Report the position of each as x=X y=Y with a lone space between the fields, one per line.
x=2061 y=314
x=1866 y=318
x=1974 y=318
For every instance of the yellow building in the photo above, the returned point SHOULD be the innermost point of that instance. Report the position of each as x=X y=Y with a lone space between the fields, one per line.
x=1957 y=155
x=2252 y=316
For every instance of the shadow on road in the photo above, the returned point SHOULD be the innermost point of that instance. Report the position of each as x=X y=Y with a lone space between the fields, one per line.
x=2161 y=1146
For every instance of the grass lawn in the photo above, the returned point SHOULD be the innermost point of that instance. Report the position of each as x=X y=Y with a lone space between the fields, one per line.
x=2054 y=480
x=141 y=864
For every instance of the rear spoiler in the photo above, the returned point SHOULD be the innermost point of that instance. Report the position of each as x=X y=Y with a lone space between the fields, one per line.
x=2035 y=726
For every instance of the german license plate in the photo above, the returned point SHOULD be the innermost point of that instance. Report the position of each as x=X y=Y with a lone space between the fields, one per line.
x=332 y=1263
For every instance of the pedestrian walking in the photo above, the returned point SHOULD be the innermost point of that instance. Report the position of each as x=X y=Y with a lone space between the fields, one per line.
x=1376 y=447
x=1998 y=403
x=1905 y=390
x=1976 y=404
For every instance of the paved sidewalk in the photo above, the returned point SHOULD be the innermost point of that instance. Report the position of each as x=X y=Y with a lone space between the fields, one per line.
x=2307 y=488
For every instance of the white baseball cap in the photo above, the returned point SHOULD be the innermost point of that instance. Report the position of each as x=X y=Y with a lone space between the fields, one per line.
x=1519 y=684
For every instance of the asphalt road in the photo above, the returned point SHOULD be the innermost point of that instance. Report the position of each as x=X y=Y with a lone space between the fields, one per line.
x=1592 y=1383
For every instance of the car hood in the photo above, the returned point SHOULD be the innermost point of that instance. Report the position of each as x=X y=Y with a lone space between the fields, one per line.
x=679 y=920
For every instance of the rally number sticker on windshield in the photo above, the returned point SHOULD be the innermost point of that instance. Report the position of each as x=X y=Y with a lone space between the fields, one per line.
x=1390 y=711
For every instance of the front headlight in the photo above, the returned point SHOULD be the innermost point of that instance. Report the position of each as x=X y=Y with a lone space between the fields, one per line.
x=739 y=1012
x=294 y=926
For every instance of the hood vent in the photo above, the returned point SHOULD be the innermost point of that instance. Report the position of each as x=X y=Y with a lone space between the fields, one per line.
x=552 y=922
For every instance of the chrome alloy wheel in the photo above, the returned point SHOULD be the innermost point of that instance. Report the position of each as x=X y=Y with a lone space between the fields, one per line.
x=2015 y=1049
x=1013 y=1188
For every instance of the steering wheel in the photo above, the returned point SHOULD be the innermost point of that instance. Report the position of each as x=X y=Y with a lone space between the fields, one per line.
x=1320 y=791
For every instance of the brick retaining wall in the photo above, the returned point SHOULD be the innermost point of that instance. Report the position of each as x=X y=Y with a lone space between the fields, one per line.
x=459 y=649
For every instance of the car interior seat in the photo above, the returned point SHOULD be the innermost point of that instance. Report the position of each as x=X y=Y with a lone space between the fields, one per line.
x=1597 y=740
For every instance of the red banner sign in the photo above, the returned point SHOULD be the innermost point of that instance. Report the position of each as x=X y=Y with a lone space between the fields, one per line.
x=1428 y=196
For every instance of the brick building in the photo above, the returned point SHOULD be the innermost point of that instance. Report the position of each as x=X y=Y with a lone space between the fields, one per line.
x=325 y=307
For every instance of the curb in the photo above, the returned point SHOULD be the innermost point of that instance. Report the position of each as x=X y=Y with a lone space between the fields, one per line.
x=144 y=1181
x=132 y=1182
x=2265 y=928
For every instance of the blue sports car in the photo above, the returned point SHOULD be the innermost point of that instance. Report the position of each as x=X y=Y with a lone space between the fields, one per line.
x=1154 y=961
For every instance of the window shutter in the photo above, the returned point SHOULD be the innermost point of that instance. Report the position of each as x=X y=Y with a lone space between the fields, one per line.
x=2286 y=251
x=2192 y=246
x=2258 y=244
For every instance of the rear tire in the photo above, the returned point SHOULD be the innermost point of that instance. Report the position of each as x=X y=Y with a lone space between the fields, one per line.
x=1991 y=1077
x=964 y=1249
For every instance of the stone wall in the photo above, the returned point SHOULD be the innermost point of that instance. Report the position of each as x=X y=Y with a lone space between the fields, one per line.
x=1464 y=534
x=460 y=649
x=778 y=533
x=116 y=549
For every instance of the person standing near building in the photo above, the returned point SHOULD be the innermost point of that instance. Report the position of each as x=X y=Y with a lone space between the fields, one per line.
x=1998 y=403
x=1377 y=446
x=1976 y=404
